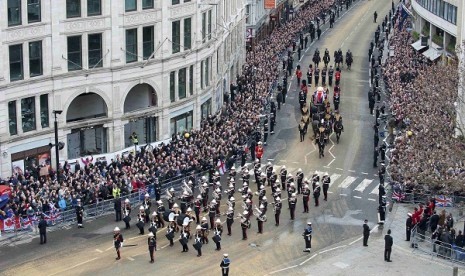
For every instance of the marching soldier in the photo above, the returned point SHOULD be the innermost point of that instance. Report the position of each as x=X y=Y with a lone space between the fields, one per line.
x=261 y=218
x=326 y=182
x=315 y=179
x=127 y=213
x=277 y=210
x=160 y=212
x=308 y=237
x=272 y=180
x=204 y=195
x=290 y=189
x=229 y=219
x=323 y=75
x=198 y=240
x=118 y=241
x=300 y=177
x=264 y=203
x=152 y=243
x=183 y=239
x=154 y=224
x=205 y=231
x=317 y=75
x=330 y=75
x=217 y=234
x=197 y=206
x=171 y=198
x=212 y=213
x=305 y=197
x=184 y=201
x=147 y=204
x=141 y=218
x=269 y=172
x=316 y=194
x=170 y=233
x=231 y=202
x=283 y=174
x=245 y=223
x=225 y=265
x=79 y=213
x=292 y=205
x=277 y=193
x=257 y=171
x=289 y=180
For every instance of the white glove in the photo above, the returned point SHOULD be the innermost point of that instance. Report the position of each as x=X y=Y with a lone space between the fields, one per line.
x=121 y=245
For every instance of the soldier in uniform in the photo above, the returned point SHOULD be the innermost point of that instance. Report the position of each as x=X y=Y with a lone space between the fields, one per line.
x=204 y=195
x=127 y=213
x=217 y=234
x=315 y=179
x=212 y=213
x=330 y=75
x=261 y=218
x=300 y=178
x=323 y=75
x=198 y=240
x=147 y=204
x=326 y=181
x=225 y=265
x=205 y=231
x=283 y=174
x=197 y=206
x=245 y=223
x=292 y=205
x=366 y=232
x=316 y=194
x=170 y=233
x=117 y=241
x=308 y=237
x=183 y=239
x=229 y=219
x=79 y=213
x=277 y=210
x=140 y=220
x=317 y=75
x=160 y=212
x=305 y=197
x=154 y=224
x=152 y=243
x=309 y=75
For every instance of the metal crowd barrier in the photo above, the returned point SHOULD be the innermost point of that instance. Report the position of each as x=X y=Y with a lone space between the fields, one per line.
x=437 y=249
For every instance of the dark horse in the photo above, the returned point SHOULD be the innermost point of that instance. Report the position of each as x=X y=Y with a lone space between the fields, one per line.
x=338 y=127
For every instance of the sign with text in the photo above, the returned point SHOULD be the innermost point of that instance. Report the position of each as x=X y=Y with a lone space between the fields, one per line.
x=270 y=4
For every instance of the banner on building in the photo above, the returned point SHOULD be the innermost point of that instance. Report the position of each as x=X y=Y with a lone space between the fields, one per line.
x=270 y=4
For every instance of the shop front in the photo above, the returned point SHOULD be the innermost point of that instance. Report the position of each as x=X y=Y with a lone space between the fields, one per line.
x=36 y=160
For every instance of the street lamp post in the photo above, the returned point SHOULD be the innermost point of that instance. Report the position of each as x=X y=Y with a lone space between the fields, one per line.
x=57 y=151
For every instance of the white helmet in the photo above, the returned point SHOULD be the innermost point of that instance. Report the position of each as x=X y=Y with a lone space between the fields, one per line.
x=189 y=182
x=171 y=189
x=278 y=190
x=218 y=190
x=218 y=221
x=283 y=167
x=290 y=174
x=245 y=213
x=257 y=160
x=205 y=185
x=189 y=209
x=316 y=172
x=269 y=163
x=204 y=177
x=204 y=219
x=262 y=187
x=231 y=179
x=154 y=213
x=306 y=186
x=175 y=205
x=230 y=209
x=150 y=234
x=213 y=201
x=141 y=208
x=199 y=197
x=159 y=201
x=231 y=185
x=198 y=227
x=218 y=183
x=185 y=193
x=126 y=200
x=262 y=206
x=217 y=173
x=292 y=184
x=231 y=199
x=247 y=201
x=326 y=174
x=116 y=229
x=299 y=170
x=264 y=198
x=147 y=195
x=293 y=194
x=262 y=174
x=278 y=199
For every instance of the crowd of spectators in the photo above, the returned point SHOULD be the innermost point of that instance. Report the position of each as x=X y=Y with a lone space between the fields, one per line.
x=426 y=152
x=220 y=136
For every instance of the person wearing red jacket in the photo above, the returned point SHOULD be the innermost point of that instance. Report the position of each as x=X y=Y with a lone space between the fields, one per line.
x=298 y=74
x=259 y=151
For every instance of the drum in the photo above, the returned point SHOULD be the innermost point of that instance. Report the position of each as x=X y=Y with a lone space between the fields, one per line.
x=183 y=241
x=168 y=215
x=140 y=225
x=170 y=235
x=183 y=220
x=216 y=238
x=197 y=245
x=127 y=219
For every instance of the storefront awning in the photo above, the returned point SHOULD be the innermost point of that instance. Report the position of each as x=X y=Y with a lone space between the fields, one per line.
x=432 y=54
x=417 y=45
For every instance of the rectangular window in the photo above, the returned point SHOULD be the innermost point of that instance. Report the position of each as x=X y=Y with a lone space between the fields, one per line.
x=148 y=41
x=130 y=5
x=176 y=36
x=94 y=7
x=95 y=50
x=201 y=74
x=147 y=4
x=131 y=45
x=187 y=33
x=12 y=121
x=206 y=108
x=16 y=62
x=14 y=12
x=191 y=79
x=35 y=58
x=182 y=78
x=28 y=114
x=207 y=72
x=33 y=11
x=172 y=87
x=181 y=123
x=204 y=26
x=175 y=2
x=247 y=13
x=73 y=8
x=44 y=116
x=209 y=24
x=74 y=53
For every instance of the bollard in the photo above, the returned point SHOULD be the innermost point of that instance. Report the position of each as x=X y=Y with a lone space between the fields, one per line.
x=455 y=271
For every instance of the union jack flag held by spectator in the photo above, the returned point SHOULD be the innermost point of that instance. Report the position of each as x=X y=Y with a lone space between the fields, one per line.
x=443 y=201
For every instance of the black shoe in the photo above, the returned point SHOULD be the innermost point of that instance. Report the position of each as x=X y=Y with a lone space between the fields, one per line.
x=389 y=261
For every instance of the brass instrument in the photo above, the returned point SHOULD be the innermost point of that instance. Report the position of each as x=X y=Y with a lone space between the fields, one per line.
x=244 y=205
x=257 y=212
x=201 y=189
x=186 y=188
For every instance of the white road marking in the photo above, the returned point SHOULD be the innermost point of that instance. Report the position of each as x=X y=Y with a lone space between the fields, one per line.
x=351 y=170
x=286 y=268
x=339 y=169
x=331 y=162
x=273 y=160
x=330 y=192
x=309 y=259
x=130 y=258
x=375 y=191
x=98 y=250
x=359 y=197
x=331 y=249
x=109 y=248
x=74 y=266
x=347 y=182
x=364 y=173
x=371 y=199
x=333 y=178
x=363 y=185
x=314 y=149
x=355 y=241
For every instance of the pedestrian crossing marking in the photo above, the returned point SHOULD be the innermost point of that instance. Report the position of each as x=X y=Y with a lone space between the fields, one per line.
x=375 y=191
x=362 y=186
x=347 y=182
x=333 y=178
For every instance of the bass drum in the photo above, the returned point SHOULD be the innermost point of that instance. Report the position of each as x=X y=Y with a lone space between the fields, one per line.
x=181 y=218
x=167 y=215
